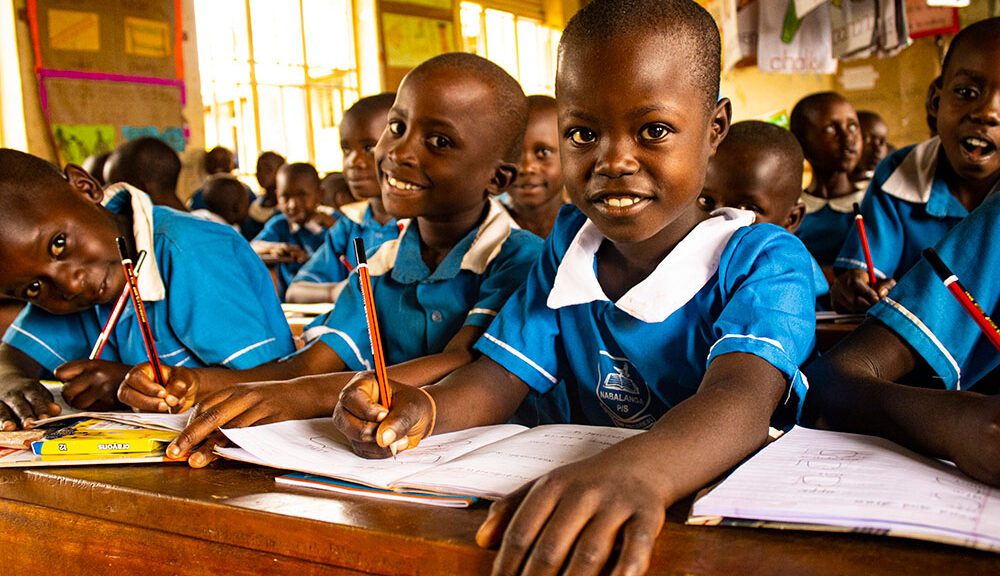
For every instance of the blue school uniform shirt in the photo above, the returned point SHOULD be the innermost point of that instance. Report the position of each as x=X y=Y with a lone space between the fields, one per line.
x=726 y=287
x=826 y=224
x=308 y=236
x=325 y=266
x=925 y=315
x=821 y=287
x=209 y=299
x=907 y=209
x=421 y=310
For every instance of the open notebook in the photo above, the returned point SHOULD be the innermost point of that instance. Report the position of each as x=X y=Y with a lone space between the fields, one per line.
x=832 y=481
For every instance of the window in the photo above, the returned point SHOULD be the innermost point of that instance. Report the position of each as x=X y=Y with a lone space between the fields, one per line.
x=523 y=46
x=277 y=76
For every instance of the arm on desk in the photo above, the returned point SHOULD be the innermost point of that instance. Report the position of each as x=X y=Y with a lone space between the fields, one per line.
x=853 y=388
x=23 y=399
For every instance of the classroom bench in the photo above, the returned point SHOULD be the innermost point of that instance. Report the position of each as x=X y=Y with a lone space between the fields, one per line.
x=231 y=518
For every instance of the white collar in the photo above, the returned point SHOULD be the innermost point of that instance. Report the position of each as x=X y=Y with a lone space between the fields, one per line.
x=913 y=179
x=311 y=226
x=151 y=285
x=676 y=279
x=355 y=211
x=206 y=214
x=842 y=204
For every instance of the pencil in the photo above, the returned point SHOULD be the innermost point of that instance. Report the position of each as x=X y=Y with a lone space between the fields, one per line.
x=102 y=339
x=373 y=333
x=343 y=260
x=140 y=314
x=972 y=308
x=860 y=221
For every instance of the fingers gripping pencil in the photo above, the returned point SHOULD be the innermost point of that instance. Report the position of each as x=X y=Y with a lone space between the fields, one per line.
x=373 y=332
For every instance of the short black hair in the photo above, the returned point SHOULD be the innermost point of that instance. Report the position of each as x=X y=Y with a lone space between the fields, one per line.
x=983 y=31
x=774 y=141
x=869 y=116
x=798 y=123
x=541 y=102
x=218 y=158
x=381 y=102
x=300 y=170
x=222 y=190
x=684 y=22
x=23 y=176
x=269 y=158
x=146 y=163
x=509 y=102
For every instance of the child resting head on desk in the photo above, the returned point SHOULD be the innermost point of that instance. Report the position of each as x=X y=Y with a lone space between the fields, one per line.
x=452 y=141
x=537 y=194
x=325 y=274
x=58 y=246
x=653 y=313
x=920 y=192
x=758 y=167
x=920 y=334
x=298 y=231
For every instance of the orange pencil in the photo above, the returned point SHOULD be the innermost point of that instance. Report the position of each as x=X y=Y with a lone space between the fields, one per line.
x=373 y=333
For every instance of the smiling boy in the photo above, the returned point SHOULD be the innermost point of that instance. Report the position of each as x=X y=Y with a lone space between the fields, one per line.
x=57 y=242
x=921 y=192
x=537 y=194
x=654 y=314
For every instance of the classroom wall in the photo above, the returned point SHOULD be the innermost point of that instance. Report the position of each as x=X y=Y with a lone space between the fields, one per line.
x=755 y=93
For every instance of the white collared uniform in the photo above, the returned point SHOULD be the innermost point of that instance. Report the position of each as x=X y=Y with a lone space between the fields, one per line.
x=727 y=287
x=826 y=224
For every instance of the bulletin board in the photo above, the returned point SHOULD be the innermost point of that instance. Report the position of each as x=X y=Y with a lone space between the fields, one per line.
x=108 y=72
x=411 y=31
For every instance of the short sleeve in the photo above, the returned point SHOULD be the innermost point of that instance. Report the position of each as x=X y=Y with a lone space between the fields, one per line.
x=524 y=337
x=325 y=267
x=222 y=304
x=925 y=315
x=884 y=228
x=345 y=328
x=769 y=303
x=504 y=275
x=51 y=339
x=275 y=230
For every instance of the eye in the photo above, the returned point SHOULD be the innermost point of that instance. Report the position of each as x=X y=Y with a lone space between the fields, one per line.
x=966 y=92
x=439 y=142
x=57 y=245
x=654 y=132
x=852 y=127
x=829 y=129
x=33 y=290
x=706 y=203
x=542 y=152
x=397 y=127
x=751 y=207
x=581 y=136
x=369 y=148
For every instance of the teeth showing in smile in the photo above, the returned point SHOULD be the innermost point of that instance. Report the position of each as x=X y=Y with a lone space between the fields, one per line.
x=400 y=185
x=620 y=201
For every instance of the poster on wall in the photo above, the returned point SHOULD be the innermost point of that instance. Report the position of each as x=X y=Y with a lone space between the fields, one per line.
x=799 y=47
x=924 y=20
x=410 y=40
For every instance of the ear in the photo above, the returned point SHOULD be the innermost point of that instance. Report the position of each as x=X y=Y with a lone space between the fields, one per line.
x=83 y=183
x=933 y=102
x=721 y=119
x=503 y=177
x=794 y=218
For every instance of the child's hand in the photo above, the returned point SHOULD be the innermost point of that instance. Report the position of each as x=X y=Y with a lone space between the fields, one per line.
x=238 y=407
x=22 y=401
x=851 y=292
x=975 y=445
x=569 y=520
x=140 y=390
x=91 y=384
x=372 y=431
x=323 y=219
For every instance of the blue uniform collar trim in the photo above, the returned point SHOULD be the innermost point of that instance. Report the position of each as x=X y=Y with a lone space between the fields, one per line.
x=674 y=282
x=117 y=199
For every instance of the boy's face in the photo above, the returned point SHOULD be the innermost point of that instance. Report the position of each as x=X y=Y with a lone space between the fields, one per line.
x=267 y=173
x=335 y=192
x=439 y=155
x=359 y=133
x=875 y=143
x=751 y=181
x=636 y=136
x=297 y=197
x=540 y=176
x=833 y=137
x=59 y=252
x=968 y=111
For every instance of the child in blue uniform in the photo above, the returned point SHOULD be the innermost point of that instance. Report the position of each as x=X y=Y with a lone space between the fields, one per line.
x=325 y=274
x=921 y=334
x=298 y=231
x=653 y=313
x=59 y=253
x=150 y=165
x=452 y=140
x=920 y=192
x=758 y=167
x=827 y=127
x=537 y=195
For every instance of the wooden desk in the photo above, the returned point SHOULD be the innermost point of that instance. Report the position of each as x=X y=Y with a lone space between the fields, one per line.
x=829 y=333
x=233 y=519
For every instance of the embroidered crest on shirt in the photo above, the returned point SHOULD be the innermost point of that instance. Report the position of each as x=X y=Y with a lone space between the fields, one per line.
x=622 y=392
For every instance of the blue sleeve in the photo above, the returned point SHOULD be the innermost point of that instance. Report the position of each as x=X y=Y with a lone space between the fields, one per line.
x=224 y=307
x=504 y=275
x=275 y=230
x=524 y=338
x=52 y=339
x=884 y=227
x=325 y=267
x=925 y=315
x=345 y=328
x=769 y=303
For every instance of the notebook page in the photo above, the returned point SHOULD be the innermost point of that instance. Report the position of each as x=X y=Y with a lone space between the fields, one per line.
x=819 y=477
x=499 y=469
x=317 y=447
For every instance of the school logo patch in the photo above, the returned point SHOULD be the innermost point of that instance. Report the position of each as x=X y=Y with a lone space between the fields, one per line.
x=622 y=392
